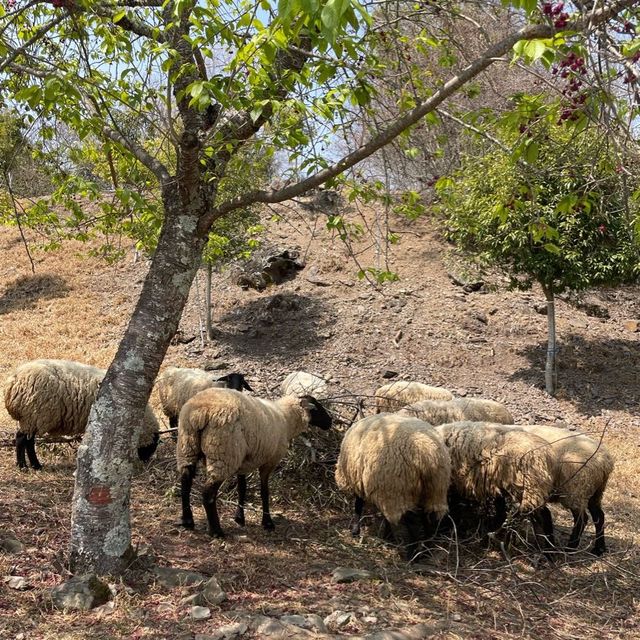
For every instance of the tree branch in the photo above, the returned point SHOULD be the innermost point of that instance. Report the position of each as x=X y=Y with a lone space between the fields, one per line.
x=34 y=38
x=490 y=55
x=153 y=164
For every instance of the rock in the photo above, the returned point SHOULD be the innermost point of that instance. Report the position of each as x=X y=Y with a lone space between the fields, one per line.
x=16 y=582
x=314 y=278
x=339 y=619
x=9 y=544
x=217 y=365
x=541 y=308
x=456 y=617
x=631 y=325
x=343 y=575
x=172 y=577
x=298 y=621
x=200 y=613
x=266 y=626
x=316 y=623
x=388 y=374
x=226 y=632
x=82 y=592
x=212 y=593
x=105 y=609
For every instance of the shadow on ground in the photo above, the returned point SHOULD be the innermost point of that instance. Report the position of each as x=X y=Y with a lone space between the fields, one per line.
x=24 y=292
x=286 y=324
x=593 y=374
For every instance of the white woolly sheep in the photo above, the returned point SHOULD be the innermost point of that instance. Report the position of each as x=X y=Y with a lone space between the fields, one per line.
x=400 y=465
x=395 y=395
x=177 y=384
x=458 y=410
x=581 y=469
x=495 y=462
x=55 y=397
x=236 y=434
x=301 y=383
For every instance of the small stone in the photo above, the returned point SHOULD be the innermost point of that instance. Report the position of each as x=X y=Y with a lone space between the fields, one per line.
x=298 y=621
x=631 y=325
x=343 y=575
x=461 y=393
x=212 y=593
x=316 y=622
x=82 y=592
x=9 y=544
x=226 y=632
x=339 y=619
x=16 y=582
x=200 y=613
x=370 y=619
x=219 y=364
x=172 y=577
x=541 y=308
x=456 y=617
x=105 y=609
x=387 y=374
x=269 y=627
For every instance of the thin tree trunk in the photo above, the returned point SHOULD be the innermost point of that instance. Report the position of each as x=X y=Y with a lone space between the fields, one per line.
x=207 y=302
x=100 y=526
x=550 y=369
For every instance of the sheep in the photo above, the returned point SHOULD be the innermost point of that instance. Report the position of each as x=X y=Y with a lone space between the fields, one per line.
x=459 y=410
x=395 y=395
x=55 y=397
x=494 y=462
x=176 y=385
x=582 y=467
x=300 y=383
x=236 y=434
x=401 y=465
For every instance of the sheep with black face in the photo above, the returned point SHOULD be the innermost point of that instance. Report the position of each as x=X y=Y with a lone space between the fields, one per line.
x=237 y=434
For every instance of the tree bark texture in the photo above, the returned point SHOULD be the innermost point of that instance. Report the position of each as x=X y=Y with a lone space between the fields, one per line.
x=100 y=527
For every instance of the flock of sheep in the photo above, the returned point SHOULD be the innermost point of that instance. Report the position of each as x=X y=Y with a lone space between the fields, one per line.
x=421 y=453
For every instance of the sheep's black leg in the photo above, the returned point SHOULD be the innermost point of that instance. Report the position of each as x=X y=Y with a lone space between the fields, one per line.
x=597 y=514
x=579 y=523
x=173 y=424
x=21 y=449
x=242 y=495
x=186 y=482
x=267 y=522
x=543 y=529
x=209 y=500
x=31 y=453
x=499 y=515
x=358 y=508
x=410 y=533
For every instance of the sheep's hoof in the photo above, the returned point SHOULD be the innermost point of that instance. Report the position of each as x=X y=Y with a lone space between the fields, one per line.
x=598 y=551
x=267 y=523
x=355 y=530
x=239 y=519
x=187 y=523
x=216 y=533
x=36 y=467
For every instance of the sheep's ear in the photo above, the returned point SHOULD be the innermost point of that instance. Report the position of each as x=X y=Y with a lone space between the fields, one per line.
x=223 y=379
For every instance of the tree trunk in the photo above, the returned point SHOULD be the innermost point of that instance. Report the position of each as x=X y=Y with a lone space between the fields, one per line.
x=100 y=525
x=550 y=369
x=207 y=302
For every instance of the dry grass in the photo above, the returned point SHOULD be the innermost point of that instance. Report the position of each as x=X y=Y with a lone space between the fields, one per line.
x=79 y=312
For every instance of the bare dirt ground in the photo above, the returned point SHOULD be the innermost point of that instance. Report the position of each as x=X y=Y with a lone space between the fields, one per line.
x=489 y=343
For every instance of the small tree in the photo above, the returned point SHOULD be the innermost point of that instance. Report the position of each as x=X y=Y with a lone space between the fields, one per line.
x=553 y=211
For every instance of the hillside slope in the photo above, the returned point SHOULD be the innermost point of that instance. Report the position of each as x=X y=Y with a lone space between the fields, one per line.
x=489 y=343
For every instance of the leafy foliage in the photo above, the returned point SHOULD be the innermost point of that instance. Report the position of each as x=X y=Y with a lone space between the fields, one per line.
x=554 y=210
